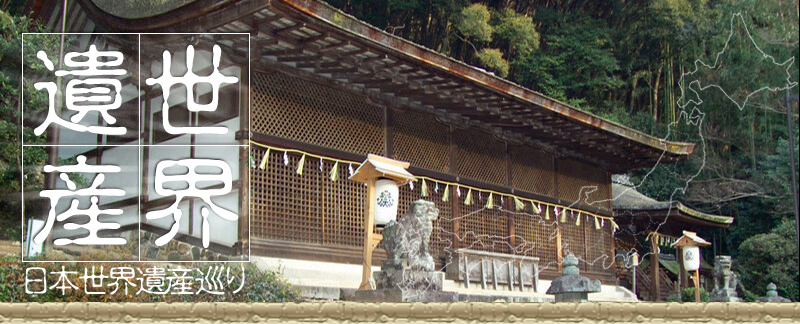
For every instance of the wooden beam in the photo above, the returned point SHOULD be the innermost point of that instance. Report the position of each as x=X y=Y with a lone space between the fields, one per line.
x=312 y=39
x=324 y=64
x=300 y=58
x=340 y=70
x=285 y=29
x=281 y=52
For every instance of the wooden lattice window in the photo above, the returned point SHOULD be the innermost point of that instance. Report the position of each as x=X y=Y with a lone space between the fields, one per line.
x=573 y=239
x=307 y=208
x=598 y=246
x=421 y=140
x=532 y=170
x=480 y=228
x=574 y=176
x=535 y=236
x=307 y=112
x=481 y=157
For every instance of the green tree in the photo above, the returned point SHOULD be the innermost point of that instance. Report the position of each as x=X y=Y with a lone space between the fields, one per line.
x=492 y=59
x=771 y=257
x=474 y=23
x=518 y=32
x=576 y=62
x=11 y=172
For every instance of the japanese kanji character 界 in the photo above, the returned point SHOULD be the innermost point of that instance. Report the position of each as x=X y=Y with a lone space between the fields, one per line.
x=192 y=177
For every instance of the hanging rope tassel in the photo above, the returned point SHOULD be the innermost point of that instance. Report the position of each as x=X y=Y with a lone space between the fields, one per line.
x=468 y=200
x=264 y=160
x=335 y=171
x=546 y=212
x=446 y=194
x=300 y=164
x=490 y=203
x=519 y=204
x=536 y=209
x=423 y=189
x=578 y=222
x=596 y=224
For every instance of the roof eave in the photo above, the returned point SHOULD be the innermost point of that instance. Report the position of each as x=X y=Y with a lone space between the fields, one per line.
x=349 y=24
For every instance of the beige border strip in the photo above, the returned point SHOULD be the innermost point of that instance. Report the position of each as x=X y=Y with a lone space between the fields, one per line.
x=348 y=312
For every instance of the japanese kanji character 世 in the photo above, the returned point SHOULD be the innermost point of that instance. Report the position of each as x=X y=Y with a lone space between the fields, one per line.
x=215 y=79
x=94 y=281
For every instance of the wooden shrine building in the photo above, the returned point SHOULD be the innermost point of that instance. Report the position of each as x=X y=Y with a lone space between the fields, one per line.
x=650 y=225
x=511 y=171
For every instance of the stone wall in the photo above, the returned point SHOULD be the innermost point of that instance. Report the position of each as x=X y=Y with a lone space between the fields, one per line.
x=176 y=250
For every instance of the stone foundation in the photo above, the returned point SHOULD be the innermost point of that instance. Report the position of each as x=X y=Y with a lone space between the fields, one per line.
x=178 y=251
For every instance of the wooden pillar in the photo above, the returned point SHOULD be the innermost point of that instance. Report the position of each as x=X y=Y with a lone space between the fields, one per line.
x=453 y=168
x=244 y=162
x=369 y=222
x=654 y=268
x=683 y=277
x=507 y=204
x=388 y=132
x=697 y=286
x=559 y=251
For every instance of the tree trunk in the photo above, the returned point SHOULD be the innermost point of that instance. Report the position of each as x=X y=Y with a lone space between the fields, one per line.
x=655 y=91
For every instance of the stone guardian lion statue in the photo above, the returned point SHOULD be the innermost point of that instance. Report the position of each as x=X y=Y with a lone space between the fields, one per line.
x=407 y=241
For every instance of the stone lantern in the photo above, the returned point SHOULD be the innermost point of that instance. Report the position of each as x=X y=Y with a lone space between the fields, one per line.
x=772 y=295
x=571 y=286
x=382 y=176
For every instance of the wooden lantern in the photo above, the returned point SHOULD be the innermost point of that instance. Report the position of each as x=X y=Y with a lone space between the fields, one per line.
x=690 y=245
x=374 y=169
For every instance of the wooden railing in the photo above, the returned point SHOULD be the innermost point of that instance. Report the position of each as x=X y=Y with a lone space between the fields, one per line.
x=644 y=285
x=498 y=269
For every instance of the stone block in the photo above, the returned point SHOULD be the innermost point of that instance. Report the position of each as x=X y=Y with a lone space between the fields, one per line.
x=394 y=295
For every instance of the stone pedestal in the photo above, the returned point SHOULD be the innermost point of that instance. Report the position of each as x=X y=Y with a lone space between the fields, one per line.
x=396 y=295
x=409 y=279
x=573 y=297
x=571 y=286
